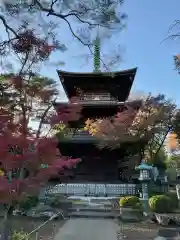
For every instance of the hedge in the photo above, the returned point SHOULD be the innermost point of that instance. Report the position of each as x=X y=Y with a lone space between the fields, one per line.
x=130 y=201
x=174 y=199
x=161 y=204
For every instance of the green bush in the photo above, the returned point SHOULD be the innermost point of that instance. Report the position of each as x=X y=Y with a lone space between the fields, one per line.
x=130 y=201
x=55 y=201
x=29 y=203
x=174 y=199
x=60 y=202
x=20 y=235
x=160 y=204
x=154 y=193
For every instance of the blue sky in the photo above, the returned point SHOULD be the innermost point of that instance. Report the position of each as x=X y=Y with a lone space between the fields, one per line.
x=148 y=24
x=141 y=43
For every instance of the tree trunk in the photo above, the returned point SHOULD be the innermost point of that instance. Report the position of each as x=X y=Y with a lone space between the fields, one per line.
x=6 y=231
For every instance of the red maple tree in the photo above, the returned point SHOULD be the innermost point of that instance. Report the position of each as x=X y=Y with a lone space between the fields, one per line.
x=28 y=150
x=29 y=158
x=23 y=154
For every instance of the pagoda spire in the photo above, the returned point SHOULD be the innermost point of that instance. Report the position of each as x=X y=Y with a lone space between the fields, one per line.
x=97 y=62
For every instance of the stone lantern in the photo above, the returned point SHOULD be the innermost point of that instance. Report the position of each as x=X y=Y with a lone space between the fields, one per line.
x=144 y=177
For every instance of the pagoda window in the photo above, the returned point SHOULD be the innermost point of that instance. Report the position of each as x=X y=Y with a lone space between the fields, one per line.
x=97 y=97
x=94 y=95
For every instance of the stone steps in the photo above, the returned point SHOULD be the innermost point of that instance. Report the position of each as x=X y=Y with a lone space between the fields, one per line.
x=99 y=210
x=90 y=214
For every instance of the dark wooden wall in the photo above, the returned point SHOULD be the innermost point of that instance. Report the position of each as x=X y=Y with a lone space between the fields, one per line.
x=96 y=170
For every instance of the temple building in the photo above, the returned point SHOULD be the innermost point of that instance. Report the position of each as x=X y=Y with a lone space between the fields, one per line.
x=100 y=95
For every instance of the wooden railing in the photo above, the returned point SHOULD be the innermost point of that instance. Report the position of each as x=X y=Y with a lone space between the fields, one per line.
x=77 y=135
x=96 y=96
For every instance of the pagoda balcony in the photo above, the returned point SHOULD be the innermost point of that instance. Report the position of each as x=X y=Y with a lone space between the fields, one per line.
x=76 y=136
x=99 y=102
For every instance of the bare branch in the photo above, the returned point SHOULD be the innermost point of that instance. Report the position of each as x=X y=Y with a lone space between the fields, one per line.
x=51 y=12
x=51 y=7
x=64 y=17
x=7 y=27
x=92 y=15
x=43 y=118
x=176 y=35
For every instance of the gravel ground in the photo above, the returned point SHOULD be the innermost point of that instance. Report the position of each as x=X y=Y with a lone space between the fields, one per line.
x=105 y=229
x=142 y=231
x=87 y=229
x=138 y=231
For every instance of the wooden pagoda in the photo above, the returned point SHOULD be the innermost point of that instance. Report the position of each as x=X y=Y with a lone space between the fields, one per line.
x=100 y=95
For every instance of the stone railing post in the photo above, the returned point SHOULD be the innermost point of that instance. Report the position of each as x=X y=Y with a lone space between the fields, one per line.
x=178 y=191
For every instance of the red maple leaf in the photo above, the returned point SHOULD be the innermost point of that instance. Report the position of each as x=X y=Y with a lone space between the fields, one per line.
x=22 y=155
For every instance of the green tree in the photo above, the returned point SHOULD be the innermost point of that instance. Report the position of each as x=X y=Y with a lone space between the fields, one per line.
x=172 y=164
x=160 y=159
x=173 y=161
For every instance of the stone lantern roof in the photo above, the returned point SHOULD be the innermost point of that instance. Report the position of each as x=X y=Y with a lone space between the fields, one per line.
x=144 y=166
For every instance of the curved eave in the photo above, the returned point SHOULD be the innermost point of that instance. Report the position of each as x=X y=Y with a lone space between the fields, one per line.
x=63 y=74
x=134 y=104
x=87 y=103
x=93 y=140
x=67 y=78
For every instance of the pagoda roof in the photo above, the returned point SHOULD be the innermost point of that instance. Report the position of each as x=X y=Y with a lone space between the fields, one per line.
x=118 y=83
x=97 y=74
x=98 y=103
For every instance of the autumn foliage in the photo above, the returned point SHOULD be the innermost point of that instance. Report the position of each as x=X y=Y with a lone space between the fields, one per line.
x=144 y=123
x=23 y=154
x=107 y=128
x=129 y=125
x=172 y=141
x=29 y=156
x=28 y=42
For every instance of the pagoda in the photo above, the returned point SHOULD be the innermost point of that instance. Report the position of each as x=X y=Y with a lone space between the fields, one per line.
x=100 y=95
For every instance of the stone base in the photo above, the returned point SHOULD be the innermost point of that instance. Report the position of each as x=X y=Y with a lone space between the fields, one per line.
x=145 y=205
x=167 y=219
x=131 y=215
x=162 y=219
x=168 y=234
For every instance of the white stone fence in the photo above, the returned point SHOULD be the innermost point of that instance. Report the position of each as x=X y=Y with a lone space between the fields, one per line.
x=90 y=189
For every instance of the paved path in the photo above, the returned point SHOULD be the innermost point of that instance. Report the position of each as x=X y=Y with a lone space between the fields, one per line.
x=87 y=229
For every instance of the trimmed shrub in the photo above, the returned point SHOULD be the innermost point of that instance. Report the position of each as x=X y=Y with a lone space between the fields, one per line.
x=60 y=203
x=55 y=202
x=20 y=235
x=174 y=199
x=160 y=204
x=29 y=203
x=130 y=201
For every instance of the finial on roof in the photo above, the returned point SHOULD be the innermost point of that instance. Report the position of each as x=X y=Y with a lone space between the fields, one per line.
x=97 y=62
